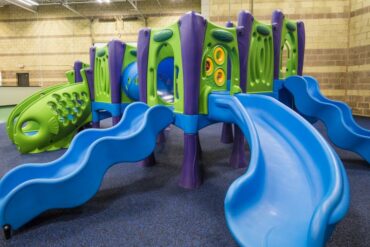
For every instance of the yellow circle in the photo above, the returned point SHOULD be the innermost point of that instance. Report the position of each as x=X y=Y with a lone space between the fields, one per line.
x=220 y=77
x=209 y=66
x=219 y=55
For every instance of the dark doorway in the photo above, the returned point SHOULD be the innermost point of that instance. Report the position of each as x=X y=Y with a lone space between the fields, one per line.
x=23 y=79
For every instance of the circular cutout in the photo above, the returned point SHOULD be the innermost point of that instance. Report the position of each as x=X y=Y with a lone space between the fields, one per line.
x=219 y=55
x=30 y=128
x=209 y=66
x=220 y=77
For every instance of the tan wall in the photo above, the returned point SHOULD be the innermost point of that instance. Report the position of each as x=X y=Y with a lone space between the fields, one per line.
x=46 y=44
x=358 y=93
x=337 y=41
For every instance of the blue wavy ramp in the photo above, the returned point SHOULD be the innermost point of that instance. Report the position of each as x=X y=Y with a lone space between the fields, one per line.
x=74 y=178
x=342 y=129
x=295 y=189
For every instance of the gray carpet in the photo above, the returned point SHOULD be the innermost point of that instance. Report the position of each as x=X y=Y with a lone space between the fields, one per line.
x=141 y=206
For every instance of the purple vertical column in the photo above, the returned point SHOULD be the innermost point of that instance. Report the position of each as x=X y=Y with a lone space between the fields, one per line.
x=76 y=68
x=277 y=24
x=301 y=45
x=245 y=22
x=116 y=49
x=227 y=128
x=90 y=82
x=192 y=32
x=142 y=67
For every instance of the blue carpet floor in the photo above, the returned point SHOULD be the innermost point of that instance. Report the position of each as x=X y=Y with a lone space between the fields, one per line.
x=142 y=206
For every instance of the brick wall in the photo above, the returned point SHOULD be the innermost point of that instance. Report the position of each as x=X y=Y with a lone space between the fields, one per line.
x=358 y=91
x=337 y=41
x=47 y=43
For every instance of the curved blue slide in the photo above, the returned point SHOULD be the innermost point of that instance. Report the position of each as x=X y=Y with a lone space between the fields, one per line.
x=295 y=189
x=28 y=190
x=342 y=129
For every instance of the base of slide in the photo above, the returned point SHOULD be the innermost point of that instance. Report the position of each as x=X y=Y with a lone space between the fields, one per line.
x=191 y=174
x=238 y=158
x=227 y=133
x=148 y=161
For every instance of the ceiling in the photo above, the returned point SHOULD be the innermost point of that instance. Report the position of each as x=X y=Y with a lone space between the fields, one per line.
x=32 y=5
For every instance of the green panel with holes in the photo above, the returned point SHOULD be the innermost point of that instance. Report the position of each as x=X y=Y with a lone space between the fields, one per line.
x=220 y=48
x=50 y=122
x=101 y=76
x=288 y=49
x=261 y=59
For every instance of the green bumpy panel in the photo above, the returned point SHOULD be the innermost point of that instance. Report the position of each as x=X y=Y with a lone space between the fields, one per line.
x=13 y=117
x=165 y=43
x=220 y=47
x=101 y=76
x=129 y=57
x=288 y=49
x=261 y=59
x=51 y=122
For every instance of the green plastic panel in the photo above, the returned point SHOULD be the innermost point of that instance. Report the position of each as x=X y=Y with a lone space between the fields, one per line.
x=288 y=49
x=160 y=49
x=218 y=37
x=261 y=59
x=50 y=122
x=101 y=76
x=128 y=58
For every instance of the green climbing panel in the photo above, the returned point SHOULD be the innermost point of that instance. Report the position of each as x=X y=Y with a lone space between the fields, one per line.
x=261 y=59
x=288 y=49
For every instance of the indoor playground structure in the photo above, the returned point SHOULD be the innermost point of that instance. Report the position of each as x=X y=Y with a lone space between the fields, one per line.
x=193 y=74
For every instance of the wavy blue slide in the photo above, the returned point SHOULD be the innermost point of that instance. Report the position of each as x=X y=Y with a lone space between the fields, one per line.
x=295 y=189
x=342 y=129
x=74 y=178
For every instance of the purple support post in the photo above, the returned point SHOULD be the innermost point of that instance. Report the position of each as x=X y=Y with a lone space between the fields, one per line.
x=277 y=25
x=90 y=73
x=301 y=45
x=227 y=129
x=142 y=62
x=245 y=23
x=192 y=31
x=90 y=81
x=227 y=133
x=77 y=67
x=142 y=67
x=116 y=49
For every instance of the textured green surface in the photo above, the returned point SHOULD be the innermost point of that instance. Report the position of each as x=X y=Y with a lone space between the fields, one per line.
x=230 y=46
x=157 y=52
x=101 y=76
x=58 y=115
x=288 y=49
x=261 y=59
x=13 y=116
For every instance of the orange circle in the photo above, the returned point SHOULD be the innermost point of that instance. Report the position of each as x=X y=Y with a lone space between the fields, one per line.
x=220 y=77
x=209 y=66
x=219 y=55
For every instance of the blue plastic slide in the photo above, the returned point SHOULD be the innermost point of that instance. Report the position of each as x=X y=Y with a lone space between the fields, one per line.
x=295 y=189
x=74 y=178
x=342 y=129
